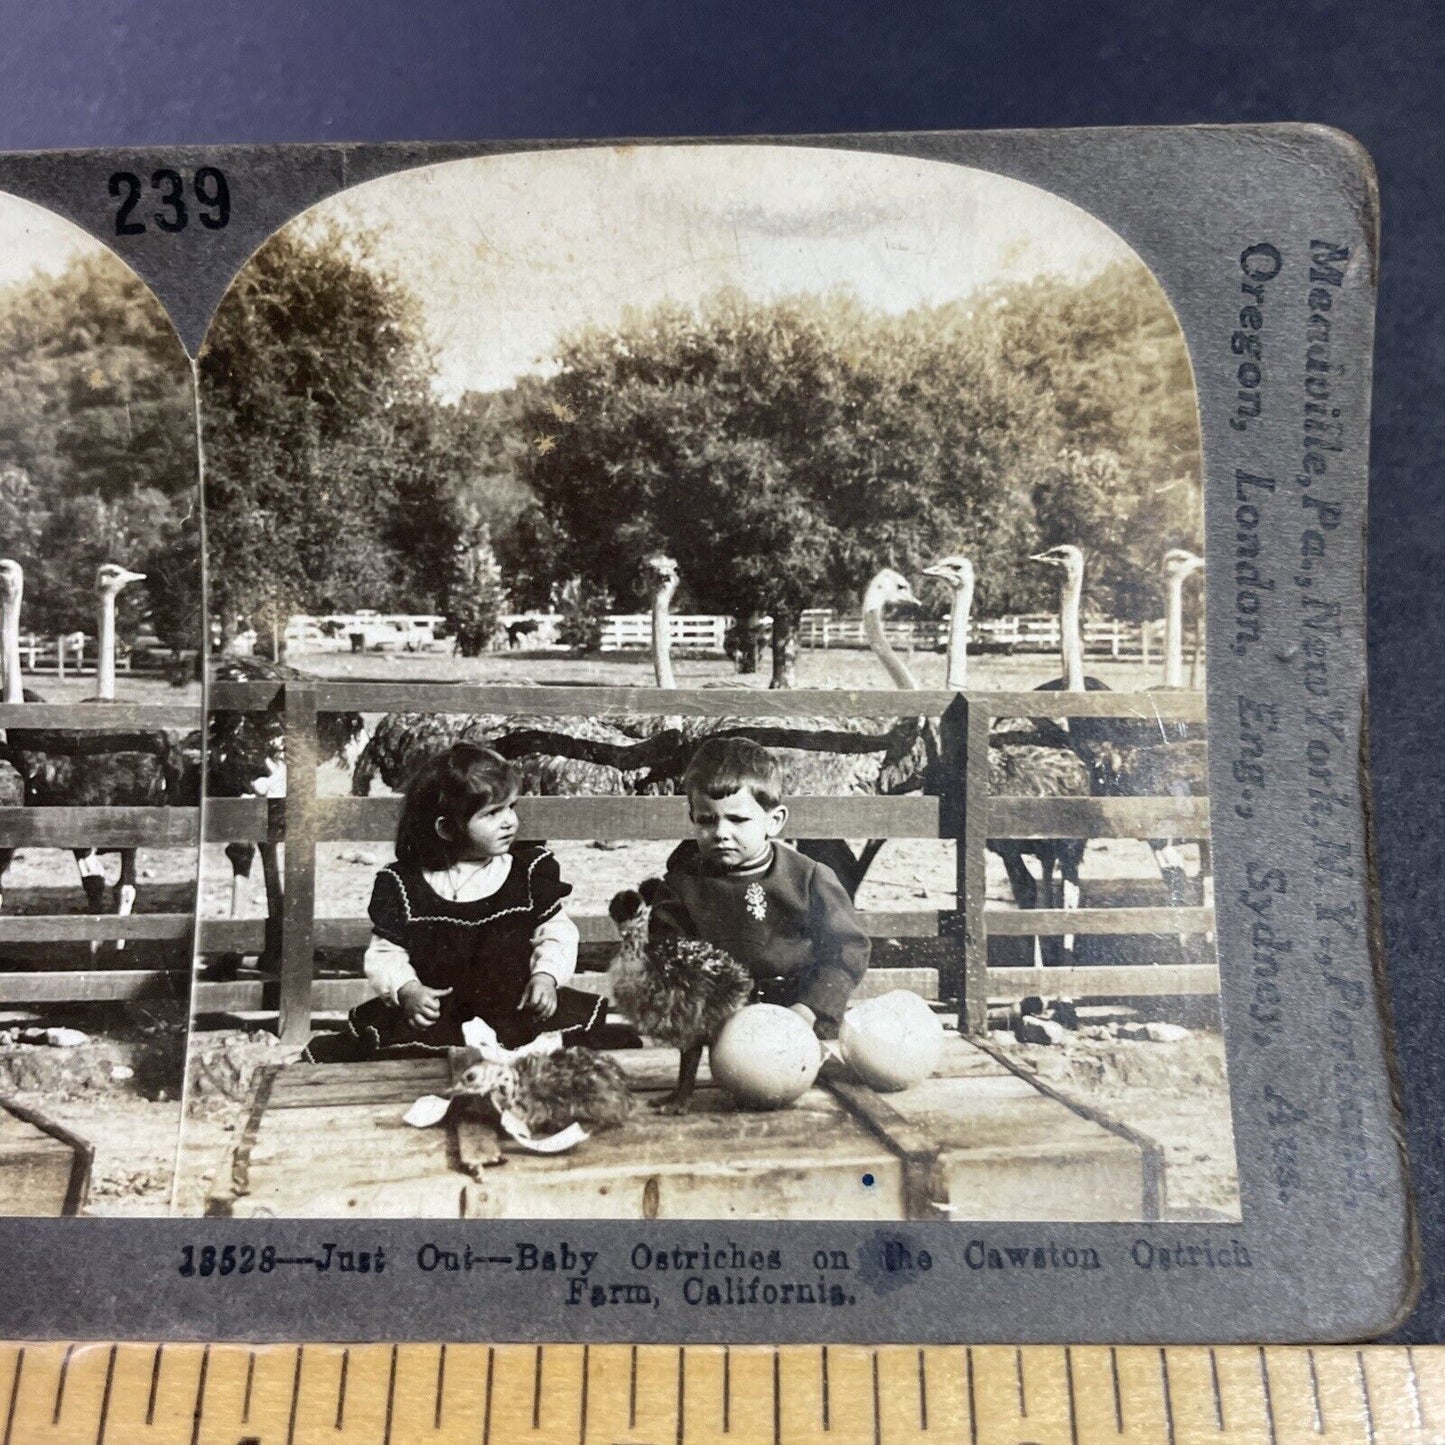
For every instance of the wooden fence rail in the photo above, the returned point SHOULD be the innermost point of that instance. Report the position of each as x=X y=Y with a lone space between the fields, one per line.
x=92 y=827
x=962 y=812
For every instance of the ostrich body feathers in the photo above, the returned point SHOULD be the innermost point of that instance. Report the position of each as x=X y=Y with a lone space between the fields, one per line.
x=547 y=1092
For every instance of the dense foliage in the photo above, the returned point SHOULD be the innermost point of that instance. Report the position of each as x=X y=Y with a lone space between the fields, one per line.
x=97 y=450
x=782 y=452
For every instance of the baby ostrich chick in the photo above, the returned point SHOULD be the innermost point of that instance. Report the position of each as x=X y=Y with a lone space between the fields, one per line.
x=678 y=991
x=547 y=1092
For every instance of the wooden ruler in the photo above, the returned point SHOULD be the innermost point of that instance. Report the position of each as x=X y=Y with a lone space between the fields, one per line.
x=112 y=1394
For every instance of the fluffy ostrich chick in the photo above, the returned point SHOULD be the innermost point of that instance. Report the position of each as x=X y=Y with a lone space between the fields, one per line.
x=547 y=1092
x=678 y=991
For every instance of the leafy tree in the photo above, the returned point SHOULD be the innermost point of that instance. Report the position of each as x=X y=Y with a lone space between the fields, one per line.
x=97 y=445
x=478 y=598
x=328 y=464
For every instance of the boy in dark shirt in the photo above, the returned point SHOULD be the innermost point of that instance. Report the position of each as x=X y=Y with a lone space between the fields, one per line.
x=787 y=919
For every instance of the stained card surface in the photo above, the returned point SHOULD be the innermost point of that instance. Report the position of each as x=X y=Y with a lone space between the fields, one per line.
x=788 y=709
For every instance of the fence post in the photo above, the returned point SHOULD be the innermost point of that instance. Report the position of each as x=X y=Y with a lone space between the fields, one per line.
x=298 y=915
x=963 y=738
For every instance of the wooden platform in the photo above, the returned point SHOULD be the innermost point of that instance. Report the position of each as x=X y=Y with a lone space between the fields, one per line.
x=44 y=1168
x=978 y=1141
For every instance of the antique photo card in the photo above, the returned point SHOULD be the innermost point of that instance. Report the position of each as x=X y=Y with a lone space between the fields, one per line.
x=781 y=741
x=751 y=420
x=100 y=613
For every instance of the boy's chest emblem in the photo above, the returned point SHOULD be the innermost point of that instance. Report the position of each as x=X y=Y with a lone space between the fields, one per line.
x=756 y=901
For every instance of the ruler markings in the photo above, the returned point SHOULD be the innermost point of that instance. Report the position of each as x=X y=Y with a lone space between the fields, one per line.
x=727 y=1400
x=14 y=1393
x=295 y=1399
x=436 y=1418
x=60 y=1385
x=1268 y=1397
x=1218 y=1393
x=250 y=1380
x=1069 y=1382
x=1414 y=1378
x=972 y=1406
x=1167 y=1393
x=582 y=1406
x=1317 y=1407
x=632 y=1393
x=1364 y=1395
x=922 y=1392
x=155 y=1381
x=341 y=1390
x=681 y=1392
x=105 y=1396
x=487 y=1413
x=1118 y=1398
x=827 y=1422
x=199 y=1413
x=1304 y=1393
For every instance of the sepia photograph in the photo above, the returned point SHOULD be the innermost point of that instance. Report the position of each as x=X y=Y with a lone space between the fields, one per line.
x=100 y=742
x=707 y=680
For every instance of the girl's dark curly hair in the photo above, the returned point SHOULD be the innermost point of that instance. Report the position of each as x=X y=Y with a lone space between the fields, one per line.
x=450 y=788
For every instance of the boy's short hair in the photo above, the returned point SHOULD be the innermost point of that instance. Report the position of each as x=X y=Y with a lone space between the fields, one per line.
x=723 y=766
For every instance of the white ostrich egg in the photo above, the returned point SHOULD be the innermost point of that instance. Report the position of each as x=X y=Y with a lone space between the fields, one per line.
x=765 y=1056
x=891 y=1041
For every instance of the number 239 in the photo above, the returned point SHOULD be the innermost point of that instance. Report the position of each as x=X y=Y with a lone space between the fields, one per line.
x=212 y=200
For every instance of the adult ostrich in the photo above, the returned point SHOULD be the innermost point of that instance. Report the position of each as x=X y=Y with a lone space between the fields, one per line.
x=1028 y=758
x=66 y=768
x=12 y=781
x=1109 y=745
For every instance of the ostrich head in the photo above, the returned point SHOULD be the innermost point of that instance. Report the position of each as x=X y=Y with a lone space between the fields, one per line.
x=1065 y=555
x=887 y=589
x=663 y=574
x=630 y=910
x=1180 y=563
x=955 y=573
x=12 y=581
x=110 y=577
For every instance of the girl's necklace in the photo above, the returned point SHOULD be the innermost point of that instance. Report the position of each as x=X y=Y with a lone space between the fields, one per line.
x=457 y=884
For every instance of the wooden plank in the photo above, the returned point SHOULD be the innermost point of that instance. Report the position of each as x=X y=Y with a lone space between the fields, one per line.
x=243 y=696
x=247 y=935
x=84 y=927
x=108 y=985
x=299 y=910
x=100 y=827
x=1050 y=922
x=1165 y=705
x=1179 y=818
x=752 y=703
x=916 y=1151
x=348 y=819
x=337 y=995
x=100 y=716
x=245 y=820
x=1165 y=980
x=963 y=742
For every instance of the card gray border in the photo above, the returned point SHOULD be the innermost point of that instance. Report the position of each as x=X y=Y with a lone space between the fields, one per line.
x=1332 y=1260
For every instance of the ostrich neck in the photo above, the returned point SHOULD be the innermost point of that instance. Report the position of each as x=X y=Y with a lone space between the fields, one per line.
x=1174 y=634
x=662 y=638
x=892 y=663
x=10 y=648
x=1070 y=634
x=958 y=638
x=105 y=660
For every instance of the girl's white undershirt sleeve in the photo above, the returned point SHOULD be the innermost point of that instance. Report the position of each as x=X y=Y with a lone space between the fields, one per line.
x=388 y=967
x=554 y=947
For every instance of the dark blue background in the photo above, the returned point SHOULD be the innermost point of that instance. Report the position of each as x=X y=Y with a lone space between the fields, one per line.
x=102 y=74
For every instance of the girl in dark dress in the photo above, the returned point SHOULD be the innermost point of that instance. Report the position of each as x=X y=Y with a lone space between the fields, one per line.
x=466 y=924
